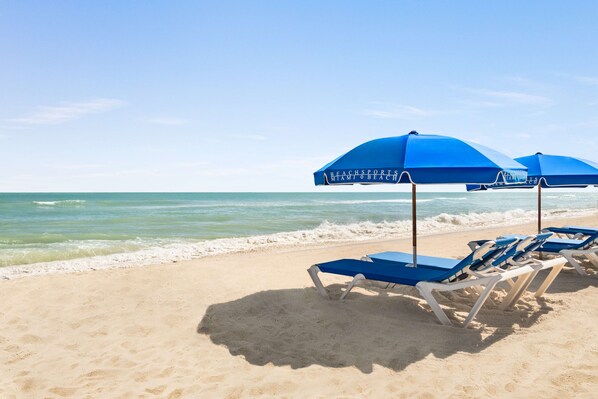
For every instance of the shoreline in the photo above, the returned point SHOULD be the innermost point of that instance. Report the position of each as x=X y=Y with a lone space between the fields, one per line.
x=241 y=245
x=253 y=325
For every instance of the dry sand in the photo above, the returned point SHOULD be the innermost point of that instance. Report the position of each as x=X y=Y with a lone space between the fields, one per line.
x=252 y=325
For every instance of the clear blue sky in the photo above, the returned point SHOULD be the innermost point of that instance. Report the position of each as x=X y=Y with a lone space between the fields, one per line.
x=256 y=95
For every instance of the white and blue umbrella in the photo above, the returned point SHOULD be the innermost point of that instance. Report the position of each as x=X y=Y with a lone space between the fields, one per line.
x=550 y=171
x=421 y=159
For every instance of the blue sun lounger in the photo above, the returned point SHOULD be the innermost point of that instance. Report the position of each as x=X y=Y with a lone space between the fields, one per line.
x=523 y=255
x=573 y=232
x=580 y=241
x=473 y=271
x=577 y=230
x=514 y=256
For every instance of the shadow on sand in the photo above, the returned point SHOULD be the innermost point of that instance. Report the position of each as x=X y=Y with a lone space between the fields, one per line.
x=569 y=280
x=299 y=328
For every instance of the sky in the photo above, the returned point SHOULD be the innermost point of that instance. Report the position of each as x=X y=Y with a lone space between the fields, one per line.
x=257 y=95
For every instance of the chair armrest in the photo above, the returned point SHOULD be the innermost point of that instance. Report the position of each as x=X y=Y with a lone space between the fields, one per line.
x=473 y=245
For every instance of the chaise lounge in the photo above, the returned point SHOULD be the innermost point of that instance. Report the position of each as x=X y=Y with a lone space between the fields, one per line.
x=476 y=270
x=515 y=256
x=579 y=241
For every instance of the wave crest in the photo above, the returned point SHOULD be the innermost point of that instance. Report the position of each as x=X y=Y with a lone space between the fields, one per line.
x=164 y=251
x=59 y=203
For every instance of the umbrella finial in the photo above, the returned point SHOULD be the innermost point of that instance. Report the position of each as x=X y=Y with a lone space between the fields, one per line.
x=539 y=153
x=413 y=132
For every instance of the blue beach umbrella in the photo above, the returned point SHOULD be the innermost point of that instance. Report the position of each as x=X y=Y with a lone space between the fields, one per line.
x=420 y=159
x=550 y=171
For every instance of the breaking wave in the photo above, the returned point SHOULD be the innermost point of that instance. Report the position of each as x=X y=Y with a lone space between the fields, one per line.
x=383 y=201
x=167 y=251
x=59 y=203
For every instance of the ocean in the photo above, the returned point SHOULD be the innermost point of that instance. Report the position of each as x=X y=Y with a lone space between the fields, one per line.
x=79 y=231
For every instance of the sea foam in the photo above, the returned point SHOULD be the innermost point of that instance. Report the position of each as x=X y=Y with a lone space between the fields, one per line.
x=327 y=232
x=59 y=203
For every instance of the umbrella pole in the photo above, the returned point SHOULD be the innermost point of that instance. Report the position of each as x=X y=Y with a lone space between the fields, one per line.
x=540 y=213
x=539 y=208
x=414 y=222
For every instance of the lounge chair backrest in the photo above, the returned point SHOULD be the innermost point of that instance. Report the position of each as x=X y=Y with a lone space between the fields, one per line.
x=528 y=245
x=590 y=241
x=578 y=233
x=538 y=241
x=573 y=230
x=524 y=244
x=478 y=259
x=520 y=250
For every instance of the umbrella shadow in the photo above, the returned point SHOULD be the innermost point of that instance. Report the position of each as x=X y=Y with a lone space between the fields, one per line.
x=299 y=328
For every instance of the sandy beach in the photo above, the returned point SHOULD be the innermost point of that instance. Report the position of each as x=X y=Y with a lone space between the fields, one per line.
x=252 y=325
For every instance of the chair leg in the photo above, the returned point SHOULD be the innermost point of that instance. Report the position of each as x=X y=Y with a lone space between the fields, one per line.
x=549 y=279
x=426 y=288
x=478 y=289
x=480 y=302
x=593 y=257
x=426 y=291
x=313 y=273
x=517 y=290
x=353 y=283
x=567 y=254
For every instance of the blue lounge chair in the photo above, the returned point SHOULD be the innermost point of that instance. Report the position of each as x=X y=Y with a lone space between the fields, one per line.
x=580 y=230
x=579 y=241
x=473 y=271
x=514 y=256
x=573 y=232
x=529 y=244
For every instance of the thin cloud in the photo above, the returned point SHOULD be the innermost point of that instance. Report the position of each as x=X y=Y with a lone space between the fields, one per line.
x=247 y=136
x=295 y=163
x=125 y=173
x=587 y=79
x=481 y=103
x=503 y=98
x=191 y=164
x=397 y=111
x=525 y=83
x=519 y=80
x=77 y=166
x=523 y=136
x=227 y=138
x=52 y=115
x=168 y=121
x=590 y=80
x=14 y=127
x=225 y=172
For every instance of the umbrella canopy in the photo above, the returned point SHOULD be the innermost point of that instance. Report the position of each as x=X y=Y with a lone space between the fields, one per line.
x=550 y=171
x=420 y=159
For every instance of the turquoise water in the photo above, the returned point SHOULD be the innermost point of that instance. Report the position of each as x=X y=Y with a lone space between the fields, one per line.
x=165 y=226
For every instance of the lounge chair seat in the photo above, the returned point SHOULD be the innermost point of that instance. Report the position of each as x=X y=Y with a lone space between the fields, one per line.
x=573 y=230
x=422 y=261
x=387 y=271
x=585 y=244
x=558 y=244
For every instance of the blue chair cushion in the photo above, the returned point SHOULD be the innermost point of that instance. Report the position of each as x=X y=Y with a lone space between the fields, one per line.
x=558 y=244
x=422 y=261
x=391 y=272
